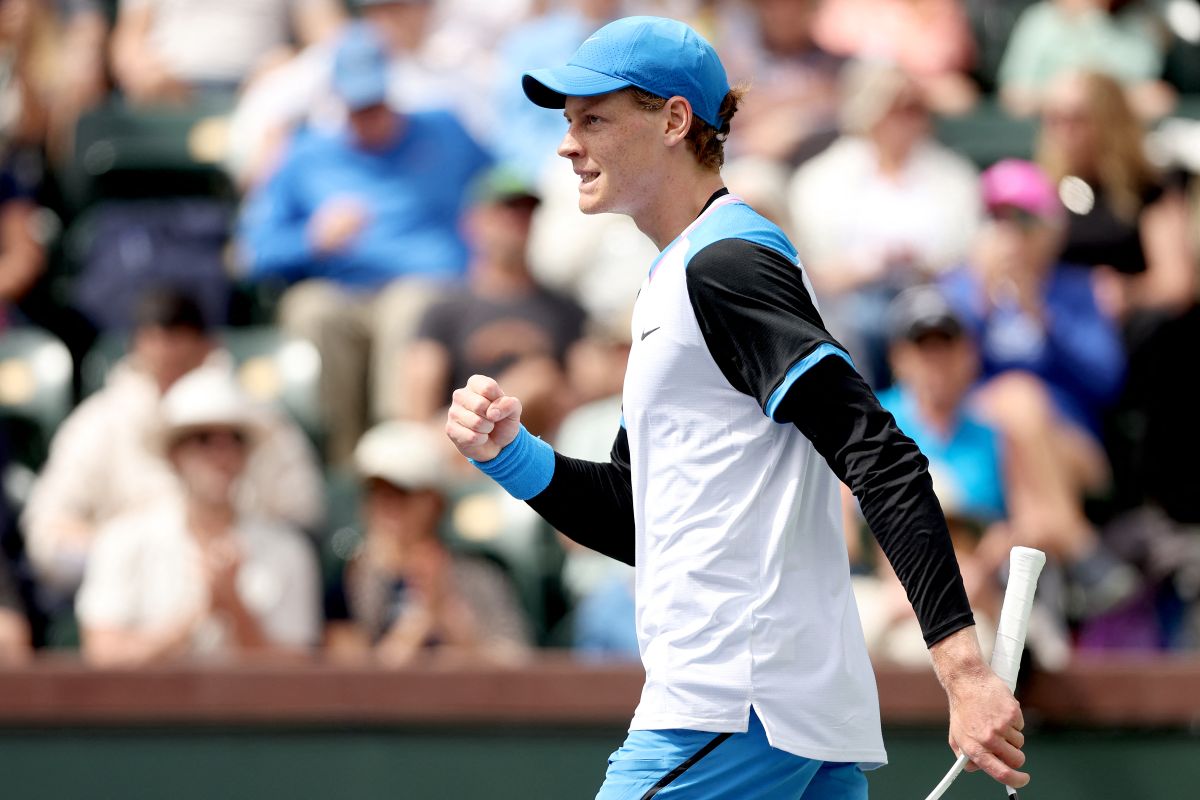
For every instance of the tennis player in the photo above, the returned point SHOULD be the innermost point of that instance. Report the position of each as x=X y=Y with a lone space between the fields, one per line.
x=740 y=415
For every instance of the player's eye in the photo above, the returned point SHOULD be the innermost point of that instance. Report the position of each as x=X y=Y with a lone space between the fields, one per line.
x=591 y=119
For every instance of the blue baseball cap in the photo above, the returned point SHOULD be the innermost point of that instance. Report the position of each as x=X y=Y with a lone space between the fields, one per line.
x=662 y=56
x=360 y=67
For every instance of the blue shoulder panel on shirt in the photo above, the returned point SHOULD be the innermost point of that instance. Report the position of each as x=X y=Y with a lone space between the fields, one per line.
x=738 y=221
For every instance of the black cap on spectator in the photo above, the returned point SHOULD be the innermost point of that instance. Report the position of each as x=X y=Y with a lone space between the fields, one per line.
x=919 y=311
x=165 y=307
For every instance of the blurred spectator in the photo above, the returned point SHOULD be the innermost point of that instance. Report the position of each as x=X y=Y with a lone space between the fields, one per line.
x=600 y=588
x=15 y=633
x=101 y=465
x=22 y=251
x=406 y=593
x=15 y=637
x=366 y=222
x=502 y=321
x=791 y=111
x=22 y=106
x=195 y=575
x=936 y=364
x=1122 y=38
x=300 y=93
x=1051 y=363
x=530 y=134
x=22 y=124
x=929 y=39
x=604 y=618
x=1155 y=463
x=884 y=207
x=167 y=51
x=1124 y=216
x=80 y=75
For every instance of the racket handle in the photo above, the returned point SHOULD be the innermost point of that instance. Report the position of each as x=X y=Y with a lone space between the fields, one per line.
x=1024 y=566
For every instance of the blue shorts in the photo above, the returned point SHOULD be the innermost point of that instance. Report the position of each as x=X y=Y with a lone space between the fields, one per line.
x=693 y=765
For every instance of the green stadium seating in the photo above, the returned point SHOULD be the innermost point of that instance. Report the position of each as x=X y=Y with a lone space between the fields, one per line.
x=271 y=366
x=126 y=152
x=35 y=391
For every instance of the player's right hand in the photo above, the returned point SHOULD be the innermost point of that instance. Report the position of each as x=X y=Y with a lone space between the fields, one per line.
x=482 y=420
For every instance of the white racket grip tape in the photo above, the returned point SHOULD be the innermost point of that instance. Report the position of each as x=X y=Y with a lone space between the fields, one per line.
x=1024 y=566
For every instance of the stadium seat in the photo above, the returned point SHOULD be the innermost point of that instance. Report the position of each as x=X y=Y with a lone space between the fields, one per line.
x=123 y=152
x=277 y=368
x=35 y=391
x=987 y=134
x=487 y=522
x=992 y=22
x=271 y=366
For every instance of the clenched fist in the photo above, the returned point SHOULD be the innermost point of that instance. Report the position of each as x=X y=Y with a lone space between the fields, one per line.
x=482 y=420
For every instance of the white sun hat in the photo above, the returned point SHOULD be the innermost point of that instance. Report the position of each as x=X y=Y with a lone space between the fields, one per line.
x=208 y=397
x=405 y=454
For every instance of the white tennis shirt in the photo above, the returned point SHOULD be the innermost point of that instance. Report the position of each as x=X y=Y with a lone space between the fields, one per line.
x=743 y=587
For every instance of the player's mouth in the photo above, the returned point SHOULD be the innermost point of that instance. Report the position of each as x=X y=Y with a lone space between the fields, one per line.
x=586 y=178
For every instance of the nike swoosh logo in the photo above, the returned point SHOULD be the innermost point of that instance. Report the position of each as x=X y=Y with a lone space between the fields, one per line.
x=647 y=333
x=591 y=39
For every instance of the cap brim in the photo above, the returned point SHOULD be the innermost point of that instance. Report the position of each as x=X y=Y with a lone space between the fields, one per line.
x=550 y=88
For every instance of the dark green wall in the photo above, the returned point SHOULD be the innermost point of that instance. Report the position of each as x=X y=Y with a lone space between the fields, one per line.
x=497 y=764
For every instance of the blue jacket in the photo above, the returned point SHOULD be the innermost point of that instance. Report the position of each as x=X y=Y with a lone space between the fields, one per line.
x=1078 y=354
x=415 y=192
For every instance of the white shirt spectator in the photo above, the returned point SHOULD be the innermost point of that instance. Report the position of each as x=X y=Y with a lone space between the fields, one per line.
x=844 y=210
x=146 y=574
x=101 y=466
x=215 y=40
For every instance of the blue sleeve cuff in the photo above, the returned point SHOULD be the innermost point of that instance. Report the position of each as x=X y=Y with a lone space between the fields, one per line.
x=523 y=468
x=802 y=366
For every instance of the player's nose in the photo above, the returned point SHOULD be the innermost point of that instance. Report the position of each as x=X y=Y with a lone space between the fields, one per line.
x=569 y=147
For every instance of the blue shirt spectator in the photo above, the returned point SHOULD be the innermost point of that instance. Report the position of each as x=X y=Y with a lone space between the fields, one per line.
x=410 y=193
x=365 y=223
x=969 y=455
x=1076 y=350
x=1029 y=312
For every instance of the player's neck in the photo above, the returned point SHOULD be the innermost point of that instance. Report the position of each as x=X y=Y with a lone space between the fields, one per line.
x=678 y=204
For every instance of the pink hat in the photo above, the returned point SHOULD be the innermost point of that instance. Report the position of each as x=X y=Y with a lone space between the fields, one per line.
x=1023 y=185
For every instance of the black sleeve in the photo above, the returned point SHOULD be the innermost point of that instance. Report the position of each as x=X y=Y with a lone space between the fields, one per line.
x=756 y=314
x=832 y=406
x=592 y=502
x=759 y=322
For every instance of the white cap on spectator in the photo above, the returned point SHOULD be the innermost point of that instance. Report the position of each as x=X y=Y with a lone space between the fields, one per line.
x=208 y=397
x=405 y=454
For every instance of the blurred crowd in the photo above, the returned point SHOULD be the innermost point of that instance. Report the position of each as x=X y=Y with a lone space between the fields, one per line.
x=249 y=247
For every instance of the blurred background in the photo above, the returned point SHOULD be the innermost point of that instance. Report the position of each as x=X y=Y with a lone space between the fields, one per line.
x=248 y=248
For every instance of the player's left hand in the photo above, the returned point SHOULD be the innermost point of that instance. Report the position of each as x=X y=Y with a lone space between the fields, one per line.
x=985 y=719
x=986 y=724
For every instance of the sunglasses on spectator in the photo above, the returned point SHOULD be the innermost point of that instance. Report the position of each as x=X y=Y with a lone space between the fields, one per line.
x=1022 y=218
x=207 y=437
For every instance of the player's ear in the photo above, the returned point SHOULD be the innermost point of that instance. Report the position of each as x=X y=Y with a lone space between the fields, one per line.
x=678 y=120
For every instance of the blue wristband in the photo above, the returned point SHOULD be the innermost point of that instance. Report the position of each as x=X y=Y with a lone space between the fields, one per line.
x=523 y=468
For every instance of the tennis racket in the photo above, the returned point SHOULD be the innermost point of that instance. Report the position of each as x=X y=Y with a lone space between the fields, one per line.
x=1024 y=566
